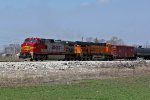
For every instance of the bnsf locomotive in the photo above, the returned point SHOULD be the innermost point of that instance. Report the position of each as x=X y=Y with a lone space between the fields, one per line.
x=44 y=49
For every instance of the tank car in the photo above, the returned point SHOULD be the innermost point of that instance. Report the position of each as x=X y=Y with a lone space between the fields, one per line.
x=142 y=52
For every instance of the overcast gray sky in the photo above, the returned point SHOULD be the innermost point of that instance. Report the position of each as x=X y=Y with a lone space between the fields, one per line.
x=72 y=19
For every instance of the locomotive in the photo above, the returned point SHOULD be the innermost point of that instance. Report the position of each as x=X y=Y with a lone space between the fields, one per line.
x=50 y=49
x=43 y=49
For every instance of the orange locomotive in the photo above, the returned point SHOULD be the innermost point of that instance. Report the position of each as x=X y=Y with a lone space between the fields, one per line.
x=95 y=51
x=44 y=49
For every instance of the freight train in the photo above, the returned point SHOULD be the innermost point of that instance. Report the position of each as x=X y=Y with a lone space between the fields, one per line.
x=50 y=49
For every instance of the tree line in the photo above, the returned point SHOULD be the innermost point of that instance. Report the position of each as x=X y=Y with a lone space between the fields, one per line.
x=114 y=40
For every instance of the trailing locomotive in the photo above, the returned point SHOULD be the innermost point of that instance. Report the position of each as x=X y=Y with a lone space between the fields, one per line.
x=44 y=49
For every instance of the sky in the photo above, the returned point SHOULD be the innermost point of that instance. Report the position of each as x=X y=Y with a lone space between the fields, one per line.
x=74 y=19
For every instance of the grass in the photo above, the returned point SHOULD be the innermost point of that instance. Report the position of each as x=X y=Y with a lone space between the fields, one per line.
x=130 y=88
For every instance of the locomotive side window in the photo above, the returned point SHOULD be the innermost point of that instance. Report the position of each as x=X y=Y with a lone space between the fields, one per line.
x=34 y=41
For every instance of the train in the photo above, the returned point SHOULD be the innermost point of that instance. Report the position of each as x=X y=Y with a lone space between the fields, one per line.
x=51 y=49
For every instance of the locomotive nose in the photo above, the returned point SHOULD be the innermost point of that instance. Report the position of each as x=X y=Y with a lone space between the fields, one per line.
x=26 y=48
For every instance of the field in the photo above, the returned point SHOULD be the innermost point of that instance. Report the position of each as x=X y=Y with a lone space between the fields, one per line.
x=128 y=88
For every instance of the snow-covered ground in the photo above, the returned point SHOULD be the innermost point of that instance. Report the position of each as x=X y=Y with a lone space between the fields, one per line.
x=66 y=70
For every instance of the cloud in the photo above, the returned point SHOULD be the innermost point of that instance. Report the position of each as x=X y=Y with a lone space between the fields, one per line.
x=103 y=1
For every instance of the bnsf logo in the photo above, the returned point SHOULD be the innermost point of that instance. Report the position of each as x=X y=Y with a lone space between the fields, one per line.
x=56 y=47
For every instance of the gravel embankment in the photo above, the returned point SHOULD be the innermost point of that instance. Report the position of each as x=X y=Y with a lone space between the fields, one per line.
x=65 y=71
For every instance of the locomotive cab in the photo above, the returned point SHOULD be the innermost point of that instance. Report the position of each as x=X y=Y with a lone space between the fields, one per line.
x=29 y=46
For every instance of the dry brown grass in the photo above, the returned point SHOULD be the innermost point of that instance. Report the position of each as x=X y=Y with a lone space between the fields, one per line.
x=61 y=76
x=28 y=77
x=9 y=59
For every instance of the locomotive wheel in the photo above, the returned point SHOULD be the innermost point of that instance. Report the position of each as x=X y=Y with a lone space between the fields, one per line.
x=36 y=59
x=41 y=59
x=31 y=59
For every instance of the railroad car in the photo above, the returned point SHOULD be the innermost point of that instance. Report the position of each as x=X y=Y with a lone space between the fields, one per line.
x=123 y=52
x=141 y=52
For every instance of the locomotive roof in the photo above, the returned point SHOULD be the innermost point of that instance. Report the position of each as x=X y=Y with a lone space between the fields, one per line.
x=51 y=40
x=90 y=43
x=33 y=39
x=69 y=42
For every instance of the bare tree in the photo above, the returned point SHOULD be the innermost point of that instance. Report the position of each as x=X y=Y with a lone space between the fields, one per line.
x=102 y=40
x=89 y=39
x=96 y=40
x=116 y=41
